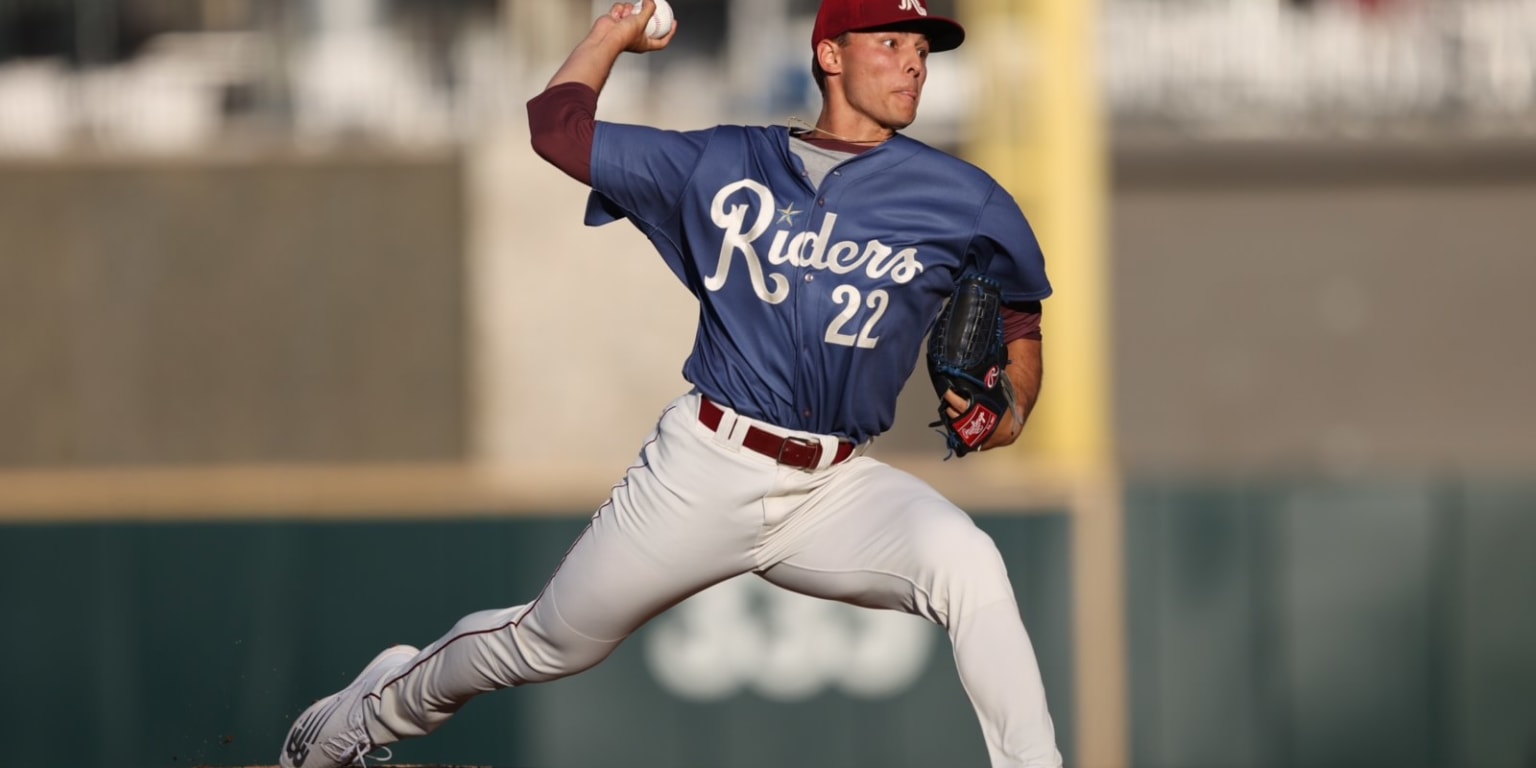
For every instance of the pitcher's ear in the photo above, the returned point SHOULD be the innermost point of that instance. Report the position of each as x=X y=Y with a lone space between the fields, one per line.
x=829 y=55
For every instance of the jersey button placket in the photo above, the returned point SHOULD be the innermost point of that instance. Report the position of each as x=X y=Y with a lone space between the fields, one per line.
x=808 y=306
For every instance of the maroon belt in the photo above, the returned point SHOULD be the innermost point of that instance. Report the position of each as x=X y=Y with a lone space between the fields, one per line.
x=796 y=452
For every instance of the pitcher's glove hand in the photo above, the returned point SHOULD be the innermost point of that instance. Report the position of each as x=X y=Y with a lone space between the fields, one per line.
x=966 y=353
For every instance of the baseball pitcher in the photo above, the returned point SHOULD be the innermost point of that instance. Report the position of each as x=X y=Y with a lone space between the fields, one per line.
x=821 y=258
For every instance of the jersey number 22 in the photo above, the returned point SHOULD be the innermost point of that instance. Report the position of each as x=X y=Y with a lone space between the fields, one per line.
x=846 y=294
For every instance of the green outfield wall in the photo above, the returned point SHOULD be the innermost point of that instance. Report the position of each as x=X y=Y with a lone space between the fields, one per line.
x=196 y=644
x=1283 y=623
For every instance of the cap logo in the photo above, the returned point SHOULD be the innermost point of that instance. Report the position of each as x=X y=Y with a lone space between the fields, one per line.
x=914 y=5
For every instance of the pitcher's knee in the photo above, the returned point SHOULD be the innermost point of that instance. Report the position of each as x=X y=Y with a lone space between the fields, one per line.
x=543 y=668
x=516 y=646
x=550 y=648
x=965 y=563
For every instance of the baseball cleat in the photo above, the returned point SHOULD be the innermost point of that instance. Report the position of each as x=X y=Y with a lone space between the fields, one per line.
x=333 y=732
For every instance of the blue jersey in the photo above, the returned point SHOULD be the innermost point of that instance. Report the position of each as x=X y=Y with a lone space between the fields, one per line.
x=813 y=302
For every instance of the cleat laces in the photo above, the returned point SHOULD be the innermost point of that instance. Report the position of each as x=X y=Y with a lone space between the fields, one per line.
x=363 y=758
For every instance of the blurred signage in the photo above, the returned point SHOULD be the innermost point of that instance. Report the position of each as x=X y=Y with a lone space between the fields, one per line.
x=748 y=635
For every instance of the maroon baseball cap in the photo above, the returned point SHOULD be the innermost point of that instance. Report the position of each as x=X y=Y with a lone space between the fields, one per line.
x=839 y=16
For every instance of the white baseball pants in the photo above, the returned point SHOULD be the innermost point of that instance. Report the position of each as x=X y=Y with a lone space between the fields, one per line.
x=696 y=509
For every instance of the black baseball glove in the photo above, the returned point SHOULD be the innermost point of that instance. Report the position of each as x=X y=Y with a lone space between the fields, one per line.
x=966 y=353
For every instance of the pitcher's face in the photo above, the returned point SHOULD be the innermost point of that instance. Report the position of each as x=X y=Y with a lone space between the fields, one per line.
x=883 y=74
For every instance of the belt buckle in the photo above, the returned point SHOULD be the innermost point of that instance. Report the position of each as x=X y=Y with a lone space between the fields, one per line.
x=813 y=446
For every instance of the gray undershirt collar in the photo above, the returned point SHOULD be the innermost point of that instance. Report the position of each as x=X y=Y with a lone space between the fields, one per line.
x=818 y=162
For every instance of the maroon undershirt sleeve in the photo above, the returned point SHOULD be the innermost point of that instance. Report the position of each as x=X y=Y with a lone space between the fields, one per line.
x=561 y=121
x=1021 y=321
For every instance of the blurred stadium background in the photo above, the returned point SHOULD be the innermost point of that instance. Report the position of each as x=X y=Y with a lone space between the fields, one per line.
x=303 y=352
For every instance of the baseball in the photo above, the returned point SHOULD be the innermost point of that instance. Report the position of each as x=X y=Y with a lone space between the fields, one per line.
x=661 y=21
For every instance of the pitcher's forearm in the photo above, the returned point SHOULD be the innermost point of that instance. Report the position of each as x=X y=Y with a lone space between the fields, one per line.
x=1024 y=374
x=592 y=60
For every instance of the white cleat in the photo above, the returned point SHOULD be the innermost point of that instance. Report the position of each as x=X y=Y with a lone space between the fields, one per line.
x=333 y=732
